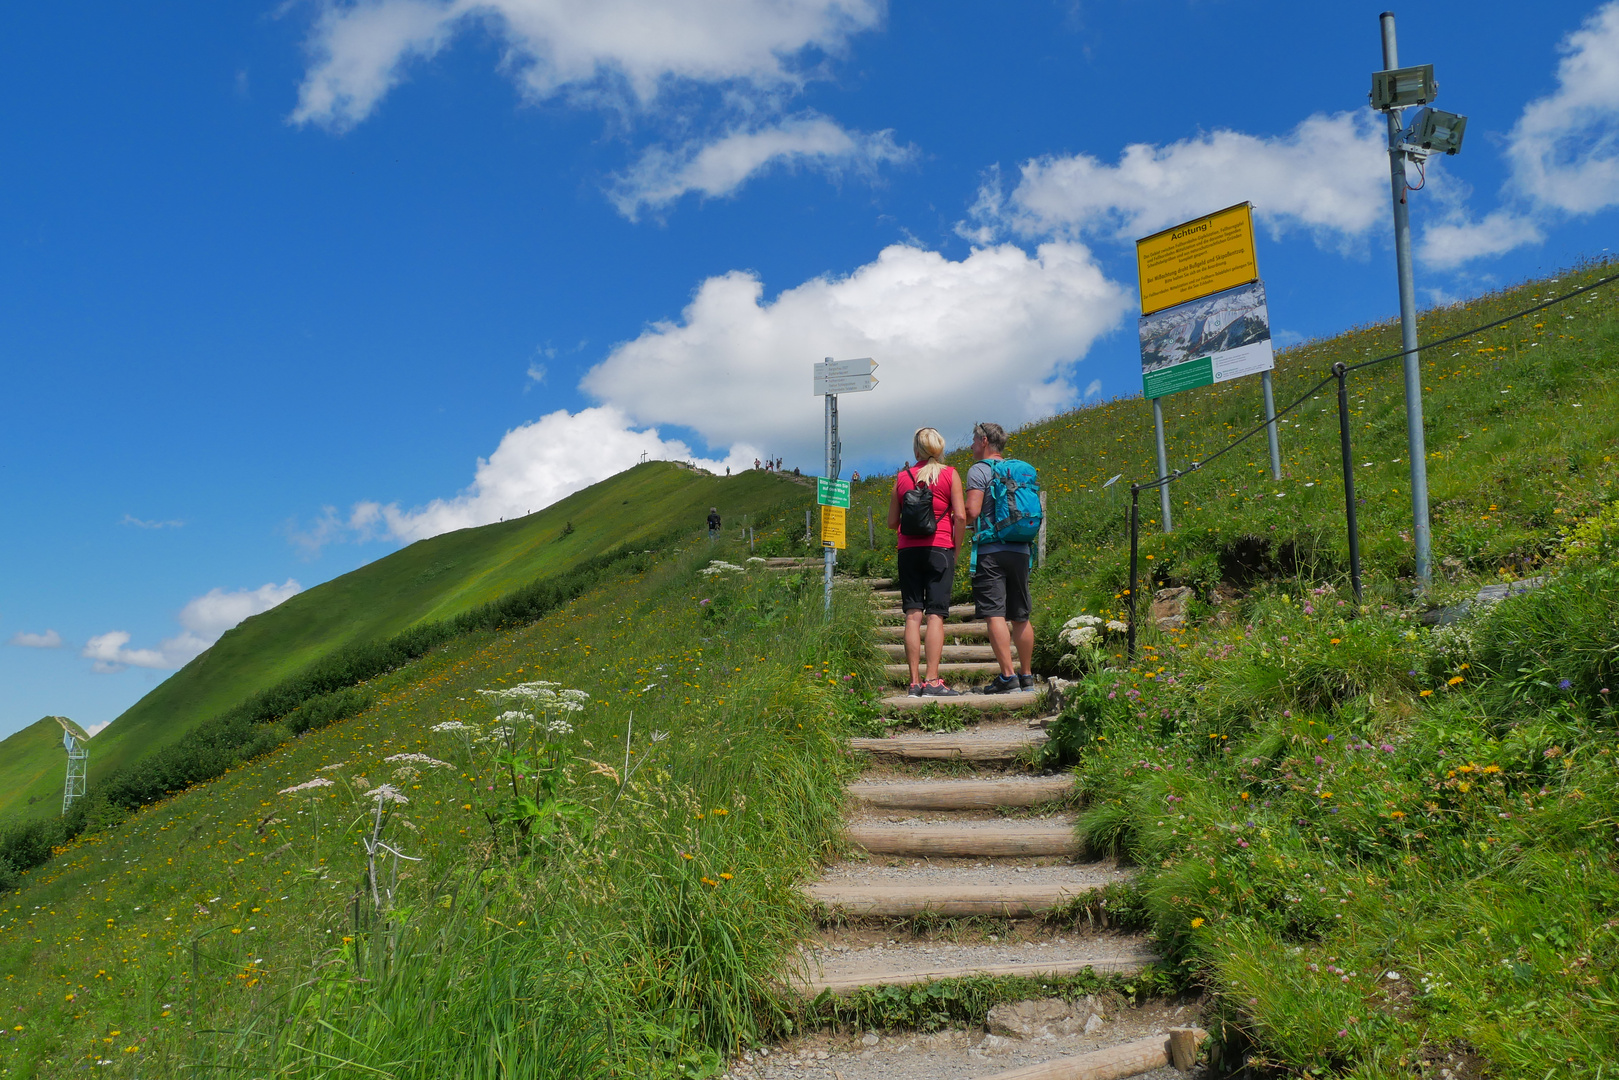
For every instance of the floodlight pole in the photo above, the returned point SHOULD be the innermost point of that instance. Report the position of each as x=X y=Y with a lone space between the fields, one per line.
x=1163 y=461
x=1416 y=443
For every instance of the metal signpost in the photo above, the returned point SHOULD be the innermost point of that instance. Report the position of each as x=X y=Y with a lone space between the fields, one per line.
x=1203 y=318
x=1432 y=131
x=834 y=377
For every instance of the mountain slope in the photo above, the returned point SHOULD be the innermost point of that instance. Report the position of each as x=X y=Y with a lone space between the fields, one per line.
x=430 y=580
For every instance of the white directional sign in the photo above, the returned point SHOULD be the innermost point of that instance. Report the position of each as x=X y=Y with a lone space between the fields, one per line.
x=851 y=385
x=845 y=376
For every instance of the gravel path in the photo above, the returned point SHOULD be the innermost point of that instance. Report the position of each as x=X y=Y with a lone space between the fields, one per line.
x=952 y=1055
x=999 y=872
x=840 y=961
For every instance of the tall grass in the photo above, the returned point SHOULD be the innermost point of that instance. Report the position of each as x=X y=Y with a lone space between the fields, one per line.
x=647 y=938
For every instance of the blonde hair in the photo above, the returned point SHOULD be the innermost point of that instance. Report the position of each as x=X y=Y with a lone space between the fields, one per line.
x=928 y=444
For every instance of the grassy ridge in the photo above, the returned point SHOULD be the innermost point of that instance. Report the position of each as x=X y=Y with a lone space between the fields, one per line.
x=219 y=929
x=428 y=581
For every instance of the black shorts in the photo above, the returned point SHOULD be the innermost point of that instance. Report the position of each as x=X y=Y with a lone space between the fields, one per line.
x=926 y=575
x=1001 y=586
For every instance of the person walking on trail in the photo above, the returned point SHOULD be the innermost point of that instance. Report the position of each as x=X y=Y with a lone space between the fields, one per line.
x=929 y=512
x=999 y=494
x=713 y=523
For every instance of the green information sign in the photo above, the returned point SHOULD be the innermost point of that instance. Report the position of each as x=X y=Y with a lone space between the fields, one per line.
x=832 y=492
x=1170 y=380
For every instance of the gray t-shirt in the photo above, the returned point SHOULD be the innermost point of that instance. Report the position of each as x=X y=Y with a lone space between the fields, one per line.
x=978 y=479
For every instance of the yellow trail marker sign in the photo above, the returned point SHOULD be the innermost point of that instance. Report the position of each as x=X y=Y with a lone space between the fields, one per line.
x=1197 y=258
x=832 y=522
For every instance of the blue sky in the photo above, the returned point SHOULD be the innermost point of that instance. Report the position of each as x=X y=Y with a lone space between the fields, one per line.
x=289 y=285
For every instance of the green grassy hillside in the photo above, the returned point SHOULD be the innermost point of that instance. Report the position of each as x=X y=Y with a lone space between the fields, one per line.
x=429 y=580
x=1377 y=849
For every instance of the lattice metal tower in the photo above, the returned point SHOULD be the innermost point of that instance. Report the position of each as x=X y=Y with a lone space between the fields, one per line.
x=76 y=742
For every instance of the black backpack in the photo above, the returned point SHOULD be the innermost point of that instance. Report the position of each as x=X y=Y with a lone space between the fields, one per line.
x=916 y=510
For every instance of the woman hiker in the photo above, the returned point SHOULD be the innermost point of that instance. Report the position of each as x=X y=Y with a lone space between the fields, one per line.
x=929 y=513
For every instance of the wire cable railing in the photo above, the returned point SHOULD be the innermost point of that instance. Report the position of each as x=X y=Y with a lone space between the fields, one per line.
x=1340 y=371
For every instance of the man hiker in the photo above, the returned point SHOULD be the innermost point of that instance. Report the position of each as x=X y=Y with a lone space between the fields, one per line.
x=713 y=523
x=1003 y=498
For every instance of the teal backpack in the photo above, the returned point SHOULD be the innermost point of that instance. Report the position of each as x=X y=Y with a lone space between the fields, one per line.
x=1012 y=513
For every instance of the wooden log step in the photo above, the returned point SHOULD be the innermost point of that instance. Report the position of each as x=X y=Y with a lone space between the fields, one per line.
x=910 y=901
x=977 y=670
x=843 y=983
x=960 y=746
x=951 y=630
x=964 y=794
x=957 y=611
x=1017 y=699
x=791 y=560
x=886 y=594
x=951 y=653
x=1115 y=1062
x=1050 y=836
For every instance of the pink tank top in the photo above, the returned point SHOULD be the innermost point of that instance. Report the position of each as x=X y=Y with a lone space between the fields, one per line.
x=945 y=537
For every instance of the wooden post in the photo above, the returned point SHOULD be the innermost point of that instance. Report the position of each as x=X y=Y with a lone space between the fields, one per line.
x=1043 y=518
x=1183 y=1044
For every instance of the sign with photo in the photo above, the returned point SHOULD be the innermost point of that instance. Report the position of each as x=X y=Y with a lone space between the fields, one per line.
x=1210 y=340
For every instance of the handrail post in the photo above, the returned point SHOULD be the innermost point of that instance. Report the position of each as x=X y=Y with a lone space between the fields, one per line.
x=1135 y=532
x=1342 y=374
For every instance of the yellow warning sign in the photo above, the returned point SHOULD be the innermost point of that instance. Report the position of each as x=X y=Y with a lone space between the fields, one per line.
x=1197 y=258
x=832 y=521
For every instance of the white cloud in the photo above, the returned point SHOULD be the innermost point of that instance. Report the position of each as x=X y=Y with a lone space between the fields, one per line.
x=989 y=337
x=202 y=621
x=109 y=653
x=721 y=166
x=533 y=467
x=1093 y=389
x=1329 y=176
x=50 y=639
x=93 y=730
x=131 y=519
x=359 y=49
x=1457 y=240
x=1563 y=155
x=1564 y=150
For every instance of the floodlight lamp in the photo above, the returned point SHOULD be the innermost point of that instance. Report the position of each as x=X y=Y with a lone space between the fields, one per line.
x=1400 y=87
x=1438 y=131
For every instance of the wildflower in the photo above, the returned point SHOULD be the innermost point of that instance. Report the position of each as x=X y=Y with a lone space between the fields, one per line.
x=1326 y=795
x=727 y=877
x=1425 y=693
x=1492 y=768
x=1196 y=923
x=388 y=793
x=1564 y=684
x=420 y=759
x=331 y=768
x=1336 y=641
x=1397 y=815
x=1455 y=680
x=317 y=782
x=559 y=727
x=683 y=855
x=450 y=725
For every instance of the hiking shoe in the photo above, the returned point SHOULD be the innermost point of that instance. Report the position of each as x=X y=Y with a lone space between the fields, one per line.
x=1001 y=684
x=1026 y=682
x=939 y=689
x=915 y=690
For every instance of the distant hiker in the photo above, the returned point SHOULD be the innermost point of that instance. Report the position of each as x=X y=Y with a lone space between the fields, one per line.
x=755 y=463
x=1003 y=503
x=930 y=515
x=854 y=477
x=713 y=523
x=727 y=470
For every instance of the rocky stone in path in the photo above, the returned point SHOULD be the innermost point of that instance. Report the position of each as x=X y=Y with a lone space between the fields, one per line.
x=1169 y=607
x=1046 y=1016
